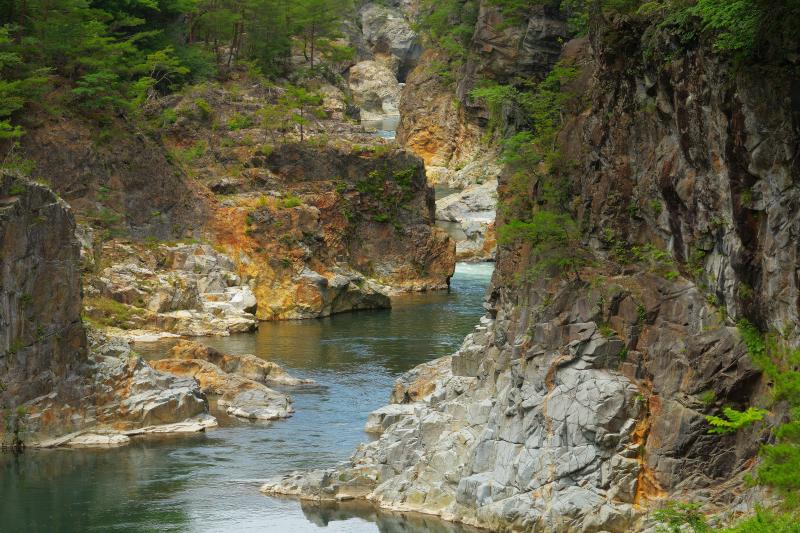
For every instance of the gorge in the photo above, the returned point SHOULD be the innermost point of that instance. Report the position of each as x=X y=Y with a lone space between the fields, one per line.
x=404 y=266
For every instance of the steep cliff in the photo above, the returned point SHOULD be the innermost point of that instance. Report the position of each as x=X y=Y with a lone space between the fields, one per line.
x=52 y=382
x=580 y=400
x=41 y=336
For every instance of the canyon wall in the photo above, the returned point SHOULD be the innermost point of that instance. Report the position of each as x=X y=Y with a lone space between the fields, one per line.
x=580 y=400
x=41 y=335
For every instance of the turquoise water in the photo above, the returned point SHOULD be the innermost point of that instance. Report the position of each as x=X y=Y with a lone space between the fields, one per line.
x=209 y=482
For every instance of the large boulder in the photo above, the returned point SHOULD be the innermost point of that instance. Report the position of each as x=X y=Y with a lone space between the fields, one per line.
x=241 y=397
x=246 y=365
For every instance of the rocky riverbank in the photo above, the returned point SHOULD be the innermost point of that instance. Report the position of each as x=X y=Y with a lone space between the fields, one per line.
x=580 y=401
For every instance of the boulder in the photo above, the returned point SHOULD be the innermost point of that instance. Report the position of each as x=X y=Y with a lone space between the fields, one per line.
x=241 y=397
x=245 y=365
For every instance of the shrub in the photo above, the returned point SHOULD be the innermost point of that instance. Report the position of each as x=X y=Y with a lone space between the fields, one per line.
x=204 y=108
x=291 y=201
x=734 y=420
x=239 y=122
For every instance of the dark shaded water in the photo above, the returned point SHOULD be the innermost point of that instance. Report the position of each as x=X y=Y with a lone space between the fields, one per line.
x=209 y=482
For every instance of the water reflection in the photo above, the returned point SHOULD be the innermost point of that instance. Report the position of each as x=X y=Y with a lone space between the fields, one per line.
x=209 y=482
x=324 y=514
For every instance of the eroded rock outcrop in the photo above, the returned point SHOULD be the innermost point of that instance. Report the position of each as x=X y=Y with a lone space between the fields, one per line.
x=471 y=213
x=180 y=289
x=97 y=395
x=347 y=228
x=580 y=400
x=237 y=381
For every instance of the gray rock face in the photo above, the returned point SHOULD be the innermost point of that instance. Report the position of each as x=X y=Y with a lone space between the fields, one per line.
x=718 y=186
x=42 y=340
x=375 y=89
x=387 y=33
x=473 y=211
x=541 y=420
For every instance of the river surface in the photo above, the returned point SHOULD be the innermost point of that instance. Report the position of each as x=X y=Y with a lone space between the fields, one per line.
x=210 y=481
x=385 y=127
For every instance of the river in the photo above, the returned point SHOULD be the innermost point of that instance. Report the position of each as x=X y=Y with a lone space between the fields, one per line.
x=210 y=481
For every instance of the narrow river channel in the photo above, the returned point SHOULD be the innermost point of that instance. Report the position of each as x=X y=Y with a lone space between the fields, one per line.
x=210 y=481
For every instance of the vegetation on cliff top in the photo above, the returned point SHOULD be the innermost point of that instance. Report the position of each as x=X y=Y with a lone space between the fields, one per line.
x=113 y=56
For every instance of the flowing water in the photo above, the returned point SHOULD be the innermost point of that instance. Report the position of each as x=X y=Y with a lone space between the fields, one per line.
x=386 y=127
x=209 y=481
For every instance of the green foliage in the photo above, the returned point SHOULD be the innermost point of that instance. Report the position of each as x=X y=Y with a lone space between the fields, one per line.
x=734 y=420
x=18 y=84
x=734 y=22
x=110 y=313
x=291 y=201
x=239 y=121
x=448 y=25
x=708 y=397
x=554 y=238
x=679 y=517
x=765 y=521
x=116 y=57
x=204 y=108
x=781 y=365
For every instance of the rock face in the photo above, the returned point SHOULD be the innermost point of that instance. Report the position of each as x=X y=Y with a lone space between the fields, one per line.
x=120 y=179
x=375 y=89
x=440 y=122
x=41 y=336
x=472 y=211
x=48 y=369
x=432 y=124
x=719 y=188
x=389 y=36
x=349 y=227
x=542 y=421
x=581 y=400
x=183 y=289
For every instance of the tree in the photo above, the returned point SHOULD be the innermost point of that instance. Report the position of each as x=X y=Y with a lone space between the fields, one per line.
x=305 y=105
x=316 y=23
